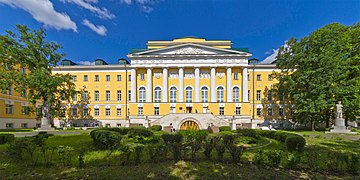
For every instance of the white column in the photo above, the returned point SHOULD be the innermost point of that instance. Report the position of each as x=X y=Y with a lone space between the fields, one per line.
x=133 y=85
x=212 y=85
x=165 y=85
x=245 y=85
x=197 y=84
x=181 y=84
x=149 y=85
x=228 y=84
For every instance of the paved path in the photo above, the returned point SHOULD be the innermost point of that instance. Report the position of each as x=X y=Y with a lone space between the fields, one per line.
x=33 y=133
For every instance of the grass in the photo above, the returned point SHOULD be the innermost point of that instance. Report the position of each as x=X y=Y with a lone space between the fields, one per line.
x=16 y=130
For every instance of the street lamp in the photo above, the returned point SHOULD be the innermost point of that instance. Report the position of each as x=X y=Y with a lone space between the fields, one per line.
x=125 y=62
x=253 y=62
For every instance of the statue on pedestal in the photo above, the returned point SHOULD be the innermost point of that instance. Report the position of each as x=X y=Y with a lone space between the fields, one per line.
x=339 y=110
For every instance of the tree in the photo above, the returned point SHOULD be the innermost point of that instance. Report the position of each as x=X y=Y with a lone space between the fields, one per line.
x=319 y=70
x=28 y=49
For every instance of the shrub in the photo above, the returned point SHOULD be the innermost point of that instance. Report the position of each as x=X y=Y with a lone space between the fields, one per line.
x=295 y=143
x=220 y=148
x=293 y=159
x=224 y=128
x=267 y=133
x=173 y=141
x=156 y=127
x=271 y=158
x=138 y=150
x=353 y=165
x=104 y=139
x=156 y=152
x=236 y=152
x=6 y=138
x=121 y=130
x=248 y=132
x=228 y=140
x=139 y=131
x=208 y=145
x=21 y=147
x=260 y=158
x=125 y=155
x=247 y=140
x=65 y=154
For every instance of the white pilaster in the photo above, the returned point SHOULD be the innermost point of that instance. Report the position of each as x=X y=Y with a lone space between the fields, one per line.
x=149 y=85
x=181 y=84
x=133 y=85
x=245 y=85
x=197 y=84
x=212 y=85
x=228 y=85
x=165 y=85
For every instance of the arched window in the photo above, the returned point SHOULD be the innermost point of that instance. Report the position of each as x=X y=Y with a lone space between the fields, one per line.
x=204 y=94
x=220 y=94
x=173 y=94
x=157 y=97
x=188 y=94
x=236 y=93
x=142 y=94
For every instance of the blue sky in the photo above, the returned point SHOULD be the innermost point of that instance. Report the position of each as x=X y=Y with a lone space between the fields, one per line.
x=108 y=29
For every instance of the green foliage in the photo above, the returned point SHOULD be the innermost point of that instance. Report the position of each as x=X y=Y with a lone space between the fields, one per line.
x=139 y=131
x=224 y=128
x=271 y=158
x=248 y=132
x=121 y=130
x=247 y=140
x=193 y=139
x=293 y=160
x=65 y=154
x=295 y=143
x=174 y=142
x=156 y=127
x=156 y=152
x=220 y=148
x=208 y=145
x=20 y=147
x=235 y=152
x=104 y=139
x=138 y=149
x=6 y=138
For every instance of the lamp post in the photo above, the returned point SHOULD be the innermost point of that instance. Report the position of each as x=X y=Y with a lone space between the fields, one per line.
x=124 y=61
x=253 y=62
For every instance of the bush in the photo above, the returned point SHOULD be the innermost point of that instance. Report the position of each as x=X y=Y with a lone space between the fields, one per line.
x=156 y=152
x=139 y=131
x=293 y=159
x=6 y=138
x=224 y=128
x=295 y=143
x=208 y=145
x=247 y=140
x=138 y=150
x=248 y=132
x=271 y=158
x=65 y=154
x=220 y=148
x=174 y=141
x=228 y=140
x=156 y=127
x=104 y=139
x=236 y=152
x=121 y=130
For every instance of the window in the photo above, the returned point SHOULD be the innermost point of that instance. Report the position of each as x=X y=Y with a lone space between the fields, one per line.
x=258 y=95
x=236 y=76
x=204 y=94
x=73 y=111
x=96 y=79
x=118 y=78
x=107 y=98
x=221 y=110
x=129 y=77
x=24 y=125
x=258 y=77
x=173 y=94
x=107 y=77
x=129 y=95
x=270 y=112
x=248 y=94
x=236 y=94
x=270 y=77
x=85 y=112
x=188 y=94
x=118 y=111
x=96 y=94
x=142 y=94
x=220 y=94
x=248 y=76
x=269 y=95
x=86 y=96
x=156 y=111
x=9 y=125
x=238 y=110
x=24 y=110
x=142 y=77
x=157 y=94
x=9 y=109
x=107 y=112
x=85 y=78
x=118 y=125
x=140 y=110
x=96 y=112
x=118 y=95
x=258 y=111
x=281 y=111
x=74 y=78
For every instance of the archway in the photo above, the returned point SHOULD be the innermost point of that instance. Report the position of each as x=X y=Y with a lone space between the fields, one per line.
x=189 y=124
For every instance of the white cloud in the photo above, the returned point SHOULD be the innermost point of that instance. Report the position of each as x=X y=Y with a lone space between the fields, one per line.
x=102 y=13
x=43 y=11
x=145 y=5
x=87 y=63
x=99 y=29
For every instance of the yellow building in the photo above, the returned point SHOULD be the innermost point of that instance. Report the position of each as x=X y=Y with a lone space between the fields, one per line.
x=184 y=82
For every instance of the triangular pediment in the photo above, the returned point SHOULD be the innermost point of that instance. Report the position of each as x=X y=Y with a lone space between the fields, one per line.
x=190 y=49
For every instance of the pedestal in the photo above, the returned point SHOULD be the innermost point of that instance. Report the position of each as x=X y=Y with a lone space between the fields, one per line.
x=340 y=127
x=45 y=125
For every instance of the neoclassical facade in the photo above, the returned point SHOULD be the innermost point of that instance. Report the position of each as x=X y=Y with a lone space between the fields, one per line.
x=186 y=82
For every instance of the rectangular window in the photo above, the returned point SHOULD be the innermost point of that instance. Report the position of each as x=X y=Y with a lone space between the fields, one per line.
x=129 y=77
x=25 y=110
x=118 y=111
x=118 y=95
x=238 y=110
x=270 y=95
x=74 y=78
x=118 y=125
x=86 y=112
x=86 y=96
x=270 y=113
x=270 y=77
x=96 y=79
x=236 y=76
x=73 y=111
x=85 y=78
x=258 y=77
x=140 y=111
x=156 y=111
x=9 y=109
x=107 y=98
x=107 y=78
x=221 y=110
x=96 y=96
x=142 y=77
x=9 y=125
x=248 y=94
x=118 y=77
x=248 y=76
x=107 y=112
x=258 y=111
x=24 y=125
x=129 y=95
x=258 y=95
x=281 y=111
x=96 y=112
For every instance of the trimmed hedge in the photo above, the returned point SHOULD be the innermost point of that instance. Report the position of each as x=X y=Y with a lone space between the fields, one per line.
x=248 y=132
x=121 y=130
x=6 y=138
x=104 y=139
x=293 y=142
x=156 y=128
x=139 y=131
x=224 y=128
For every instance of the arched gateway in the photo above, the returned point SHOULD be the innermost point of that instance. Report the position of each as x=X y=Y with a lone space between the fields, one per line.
x=189 y=124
